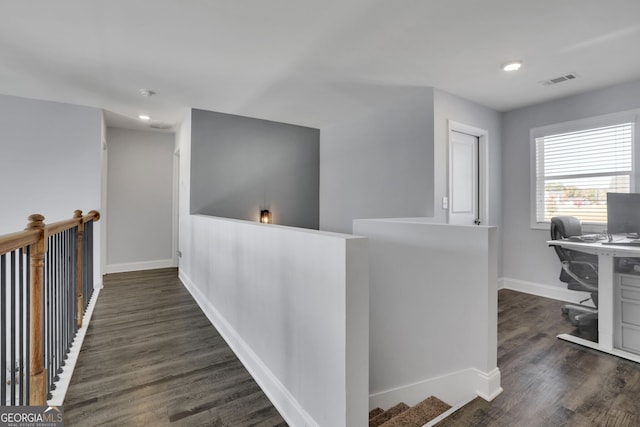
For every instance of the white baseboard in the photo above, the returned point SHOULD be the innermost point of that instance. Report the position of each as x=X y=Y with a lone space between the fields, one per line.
x=62 y=385
x=293 y=413
x=455 y=388
x=138 y=266
x=487 y=384
x=547 y=291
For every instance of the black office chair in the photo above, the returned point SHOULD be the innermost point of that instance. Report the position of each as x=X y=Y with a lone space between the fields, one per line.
x=579 y=271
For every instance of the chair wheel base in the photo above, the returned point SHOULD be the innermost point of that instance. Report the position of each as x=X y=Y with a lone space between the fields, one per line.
x=580 y=316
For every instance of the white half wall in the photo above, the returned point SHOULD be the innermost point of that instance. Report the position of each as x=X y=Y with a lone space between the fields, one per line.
x=293 y=305
x=140 y=198
x=433 y=311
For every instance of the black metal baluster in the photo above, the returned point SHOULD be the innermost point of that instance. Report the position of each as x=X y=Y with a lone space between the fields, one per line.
x=75 y=280
x=27 y=376
x=70 y=287
x=49 y=303
x=88 y=261
x=56 y=311
x=52 y=307
x=3 y=329
x=54 y=250
x=65 y=285
x=46 y=303
x=57 y=328
x=21 y=360
x=59 y=307
x=12 y=313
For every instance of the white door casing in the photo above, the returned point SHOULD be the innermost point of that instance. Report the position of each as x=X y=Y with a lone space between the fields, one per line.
x=467 y=175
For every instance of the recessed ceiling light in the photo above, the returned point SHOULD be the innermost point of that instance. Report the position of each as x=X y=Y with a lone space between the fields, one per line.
x=512 y=66
x=144 y=117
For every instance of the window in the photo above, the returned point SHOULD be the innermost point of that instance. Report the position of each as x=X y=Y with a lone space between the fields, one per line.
x=576 y=164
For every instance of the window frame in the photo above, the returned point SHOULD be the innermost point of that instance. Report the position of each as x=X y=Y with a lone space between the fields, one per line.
x=630 y=116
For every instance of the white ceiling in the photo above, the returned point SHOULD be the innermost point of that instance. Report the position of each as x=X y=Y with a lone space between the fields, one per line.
x=308 y=62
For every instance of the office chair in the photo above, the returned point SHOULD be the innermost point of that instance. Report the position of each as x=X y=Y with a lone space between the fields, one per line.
x=579 y=271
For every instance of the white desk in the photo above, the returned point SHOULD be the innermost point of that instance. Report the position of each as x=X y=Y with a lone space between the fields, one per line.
x=606 y=280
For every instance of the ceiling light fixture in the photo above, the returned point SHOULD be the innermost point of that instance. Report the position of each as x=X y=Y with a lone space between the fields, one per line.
x=147 y=92
x=512 y=66
x=144 y=117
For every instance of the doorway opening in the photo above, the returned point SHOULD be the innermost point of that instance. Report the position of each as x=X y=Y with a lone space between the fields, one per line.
x=468 y=168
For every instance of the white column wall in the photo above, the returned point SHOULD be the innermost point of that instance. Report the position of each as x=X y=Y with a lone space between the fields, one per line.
x=293 y=306
x=433 y=311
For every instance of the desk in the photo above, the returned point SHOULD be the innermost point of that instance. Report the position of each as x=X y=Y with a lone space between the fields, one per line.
x=606 y=291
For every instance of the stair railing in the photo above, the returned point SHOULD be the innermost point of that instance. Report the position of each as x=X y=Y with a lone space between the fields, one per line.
x=46 y=283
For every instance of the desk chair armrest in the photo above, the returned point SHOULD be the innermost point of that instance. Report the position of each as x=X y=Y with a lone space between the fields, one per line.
x=566 y=266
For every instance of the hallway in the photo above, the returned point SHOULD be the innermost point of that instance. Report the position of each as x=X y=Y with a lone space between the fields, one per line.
x=151 y=357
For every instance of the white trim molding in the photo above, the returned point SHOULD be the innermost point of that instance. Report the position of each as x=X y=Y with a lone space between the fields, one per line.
x=282 y=399
x=138 y=266
x=546 y=291
x=487 y=384
x=483 y=163
x=62 y=385
x=456 y=389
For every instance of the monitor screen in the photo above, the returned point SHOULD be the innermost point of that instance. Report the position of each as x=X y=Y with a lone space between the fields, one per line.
x=623 y=213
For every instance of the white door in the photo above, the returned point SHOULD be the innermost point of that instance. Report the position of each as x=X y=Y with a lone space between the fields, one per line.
x=463 y=179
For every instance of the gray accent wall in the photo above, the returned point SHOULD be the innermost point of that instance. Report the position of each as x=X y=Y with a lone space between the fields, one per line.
x=527 y=258
x=240 y=165
x=379 y=165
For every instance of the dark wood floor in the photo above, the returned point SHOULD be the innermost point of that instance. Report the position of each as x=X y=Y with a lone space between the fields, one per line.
x=151 y=358
x=550 y=382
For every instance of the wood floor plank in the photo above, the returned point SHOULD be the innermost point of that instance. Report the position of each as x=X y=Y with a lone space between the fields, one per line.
x=151 y=357
x=550 y=382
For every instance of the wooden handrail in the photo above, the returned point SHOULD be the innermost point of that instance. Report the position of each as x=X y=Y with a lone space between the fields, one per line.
x=21 y=239
x=35 y=237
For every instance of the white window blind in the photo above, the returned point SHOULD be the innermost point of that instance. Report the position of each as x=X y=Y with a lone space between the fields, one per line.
x=575 y=170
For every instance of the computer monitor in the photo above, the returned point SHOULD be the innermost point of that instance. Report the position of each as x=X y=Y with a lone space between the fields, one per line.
x=623 y=213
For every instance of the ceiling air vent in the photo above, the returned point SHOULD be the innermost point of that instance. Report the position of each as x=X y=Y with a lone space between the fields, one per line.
x=560 y=79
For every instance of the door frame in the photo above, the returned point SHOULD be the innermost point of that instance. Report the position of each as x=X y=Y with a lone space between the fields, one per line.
x=483 y=166
x=175 y=220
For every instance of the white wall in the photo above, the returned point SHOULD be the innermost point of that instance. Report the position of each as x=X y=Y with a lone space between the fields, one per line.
x=140 y=200
x=528 y=261
x=379 y=165
x=50 y=163
x=450 y=107
x=394 y=162
x=433 y=311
